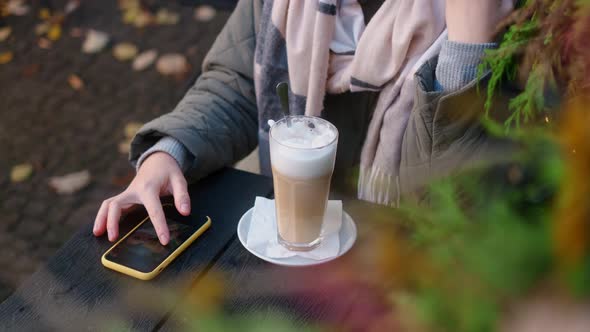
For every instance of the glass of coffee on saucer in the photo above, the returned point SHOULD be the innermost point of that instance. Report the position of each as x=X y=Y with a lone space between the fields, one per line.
x=302 y=154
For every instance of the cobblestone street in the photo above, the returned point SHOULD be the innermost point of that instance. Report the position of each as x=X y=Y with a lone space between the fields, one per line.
x=60 y=130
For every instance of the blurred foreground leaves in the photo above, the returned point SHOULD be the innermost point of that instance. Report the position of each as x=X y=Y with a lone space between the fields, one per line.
x=572 y=224
x=491 y=238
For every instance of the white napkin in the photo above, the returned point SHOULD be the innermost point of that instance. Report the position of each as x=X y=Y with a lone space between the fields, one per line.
x=262 y=235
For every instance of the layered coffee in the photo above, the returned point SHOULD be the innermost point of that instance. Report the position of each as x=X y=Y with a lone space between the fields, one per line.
x=302 y=158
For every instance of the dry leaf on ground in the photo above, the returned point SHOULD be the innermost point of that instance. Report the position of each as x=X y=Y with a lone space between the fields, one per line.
x=70 y=183
x=167 y=17
x=44 y=43
x=144 y=60
x=131 y=11
x=5 y=33
x=172 y=64
x=124 y=51
x=76 y=82
x=132 y=128
x=17 y=8
x=129 y=4
x=41 y=28
x=130 y=15
x=71 y=6
x=6 y=57
x=95 y=41
x=20 y=173
x=143 y=19
x=54 y=32
x=204 y=13
x=44 y=13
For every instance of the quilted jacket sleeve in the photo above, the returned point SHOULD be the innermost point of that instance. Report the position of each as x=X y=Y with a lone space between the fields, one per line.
x=217 y=120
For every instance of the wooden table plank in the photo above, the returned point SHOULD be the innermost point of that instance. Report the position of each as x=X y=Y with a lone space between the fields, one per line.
x=73 y=291
x=332 y=293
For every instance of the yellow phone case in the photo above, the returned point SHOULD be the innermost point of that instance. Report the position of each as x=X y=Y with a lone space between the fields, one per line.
x=150 y=275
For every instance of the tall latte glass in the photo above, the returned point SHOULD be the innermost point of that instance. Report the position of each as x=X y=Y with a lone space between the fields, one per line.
x=302 y=154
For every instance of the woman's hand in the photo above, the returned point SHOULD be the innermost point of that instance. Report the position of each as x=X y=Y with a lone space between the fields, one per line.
x=158 y=175
x=475 y=21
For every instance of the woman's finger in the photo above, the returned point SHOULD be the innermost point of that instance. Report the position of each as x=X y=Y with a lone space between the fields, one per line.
x=180 y=192
x=115 y=208
x=100 y=222
x=151 y=201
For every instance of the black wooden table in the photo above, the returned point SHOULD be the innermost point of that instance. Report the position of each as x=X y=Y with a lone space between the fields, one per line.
x=215 y=276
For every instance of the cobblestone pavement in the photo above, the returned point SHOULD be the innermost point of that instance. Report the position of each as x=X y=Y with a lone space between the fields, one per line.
x=45 y=122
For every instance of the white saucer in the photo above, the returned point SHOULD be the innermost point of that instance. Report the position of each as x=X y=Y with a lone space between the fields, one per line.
x=347 y=237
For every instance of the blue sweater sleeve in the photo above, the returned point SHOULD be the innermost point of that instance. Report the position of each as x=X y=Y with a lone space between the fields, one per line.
x=457 y=64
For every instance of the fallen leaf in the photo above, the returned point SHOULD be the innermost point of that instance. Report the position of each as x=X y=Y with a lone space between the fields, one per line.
x=44 y=13
x=130 y=15
x=124 y=51
x=70 y=183
x=41 y=28
x=17 y=8
x=5 y=33
x=142 y=19
x=144 y=60
x=44 y=43
x=76 y=82
x=54 y=32
x=6 y=57
x=132 y=128
x=71 y=6
x=167 y=17
x=204 y=13
x=172 y=64
x=20 y=173
x=95 y=41
x=128 y=4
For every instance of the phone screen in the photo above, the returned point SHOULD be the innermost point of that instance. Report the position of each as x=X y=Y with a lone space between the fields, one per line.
x=142 y=251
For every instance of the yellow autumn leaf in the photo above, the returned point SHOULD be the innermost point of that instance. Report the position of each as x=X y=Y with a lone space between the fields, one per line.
x=5 y=57
x=124 y=51
x=132 y=128
x=44 y=13
x=167 y=17
x=21 y=172
x=42 y=28
x=54 y=32
x=130 y=15
x=143 y=19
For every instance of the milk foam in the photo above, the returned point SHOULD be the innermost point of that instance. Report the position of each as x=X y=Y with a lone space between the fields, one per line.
x=303 y=150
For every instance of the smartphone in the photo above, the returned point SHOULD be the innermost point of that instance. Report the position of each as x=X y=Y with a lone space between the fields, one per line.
x=140 y=254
